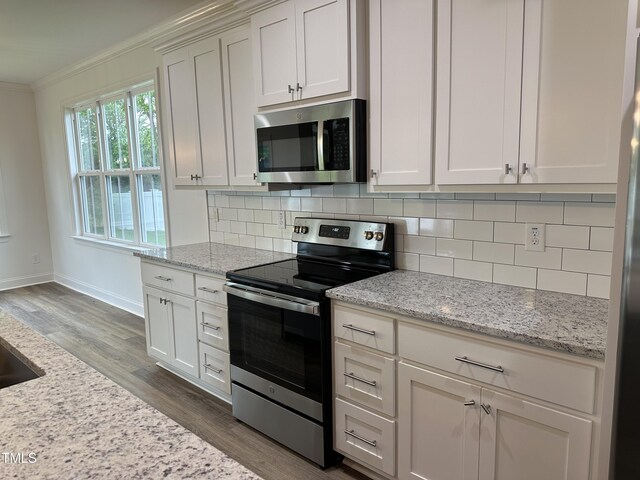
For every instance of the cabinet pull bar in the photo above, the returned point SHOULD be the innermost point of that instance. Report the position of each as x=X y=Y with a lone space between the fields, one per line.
x=208 y=290
x=486 y=408
x=525 y=168
x=507 y=169
x=363 y=380
x=164 y=279
x=298 y=87
x=208 y=366
x=209 y=325
x=481 y=365
x=358 y=329
x=291 y=90
x=353 y=434
x=195 y=176
x=470 y=403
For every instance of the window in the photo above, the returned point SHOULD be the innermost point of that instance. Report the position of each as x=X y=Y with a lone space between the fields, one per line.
x=119 y=184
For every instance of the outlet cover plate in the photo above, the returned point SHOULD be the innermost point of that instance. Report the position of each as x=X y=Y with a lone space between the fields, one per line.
x=534 y=237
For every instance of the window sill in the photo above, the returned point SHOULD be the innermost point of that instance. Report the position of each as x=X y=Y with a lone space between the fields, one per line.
x=4 y=238
x=107 y=245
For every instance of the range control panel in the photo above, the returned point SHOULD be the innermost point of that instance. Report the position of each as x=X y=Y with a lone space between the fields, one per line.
x=346 y=233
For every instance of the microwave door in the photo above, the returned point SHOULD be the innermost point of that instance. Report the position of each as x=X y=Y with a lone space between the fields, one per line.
x=320 y=143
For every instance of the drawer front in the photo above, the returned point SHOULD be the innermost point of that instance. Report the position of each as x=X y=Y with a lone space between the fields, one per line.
x=210 y=289
x=556 y=380
x=366 y=437
x=213 y=328
x=364 y=328
x=214 y=368
x=365 y=378
x=167 y=278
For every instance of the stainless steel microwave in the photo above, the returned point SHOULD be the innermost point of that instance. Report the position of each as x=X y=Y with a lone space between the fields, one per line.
x=318 y=144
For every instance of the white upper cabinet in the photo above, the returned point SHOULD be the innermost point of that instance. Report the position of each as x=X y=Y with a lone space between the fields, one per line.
x=301 y=50
x=401 y=43
x=479 y=67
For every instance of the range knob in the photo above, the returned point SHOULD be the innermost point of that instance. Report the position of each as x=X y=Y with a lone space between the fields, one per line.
x=296 y=228
x=368 y=235
x=304 y=229
x=379 y=236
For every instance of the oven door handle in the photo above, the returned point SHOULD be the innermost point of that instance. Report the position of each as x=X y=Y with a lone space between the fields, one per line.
x=271 y=298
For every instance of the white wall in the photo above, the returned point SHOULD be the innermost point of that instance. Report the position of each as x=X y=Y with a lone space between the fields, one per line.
x=23 y=192
x=108 y=273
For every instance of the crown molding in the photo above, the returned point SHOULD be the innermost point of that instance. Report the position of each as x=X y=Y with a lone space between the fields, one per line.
x=15 y=87
x=213 y=13
x=252 y=6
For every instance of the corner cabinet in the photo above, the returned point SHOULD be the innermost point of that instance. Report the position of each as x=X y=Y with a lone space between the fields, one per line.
x=302 y=49
x=208 y=105
x=450 y=404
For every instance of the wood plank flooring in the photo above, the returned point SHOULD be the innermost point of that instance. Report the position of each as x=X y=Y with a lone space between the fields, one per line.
x=112 y=341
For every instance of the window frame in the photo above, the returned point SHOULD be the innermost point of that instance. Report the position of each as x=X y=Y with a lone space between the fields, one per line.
x=133 y=172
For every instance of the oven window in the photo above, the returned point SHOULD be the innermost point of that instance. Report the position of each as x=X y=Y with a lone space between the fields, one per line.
x=288 y=148
x=280 y=345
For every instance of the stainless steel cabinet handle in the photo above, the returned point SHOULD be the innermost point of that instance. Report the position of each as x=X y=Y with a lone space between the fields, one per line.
x=164 y=279
x=291 y=90
x=525 y=168
x=210 y=325
x=374 y=173
x=165 y=300
x=208 y=366
x=208 y=290
x=507 y=169
x=358 y=329
x=255 y=176
x=298 y=87
x=353 y=434
x=470 y=403
x=359 y=379
x=486 y=408
x=479 y=364
x=195 y=176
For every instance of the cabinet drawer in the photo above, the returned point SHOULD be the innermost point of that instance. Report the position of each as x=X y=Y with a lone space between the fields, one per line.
x=365 y=378
x=369 y=329
x=213 y=328
x=167 y=278
x=365 y=436
x=210 y=289
x=214 y=367
x=549 y=378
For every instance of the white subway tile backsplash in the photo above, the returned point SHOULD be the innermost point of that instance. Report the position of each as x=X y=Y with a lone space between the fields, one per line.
x=264 y=243
x=518 y=276
x=346 y=190
x=406 y=226
x=604 y=197
x=221 y=200
x=472 y=270
x=438 y=196
x=236 y=202
x=263 y=216
x=446 y=247
x=419 y=208
x=216 y=237
x=247 y=241
x=433 y=227
x=271 y=203
x=586 y=261
x=567 y=236
x=303 y=192
x=456 y=209
x=311 y=204
x=601 y=239
x=593 y=214
x=494 y=252
x=539 y=212
x=388 y=206
x=322 y=191
x=475 y=196
x=255 y=229
x=598 y=286
x=334 y=205
x=437 y=265
x=534 y=197
x=290 y=203
x=504 y=211
x=509 y=232
x=399 y=241
x=238 y=227
x=472 y=230
x=360 y=206
x=245 y=215
x=566 y=282
x=551 y=258
x=364 y=193
x=229 y=213
x=282 y=245
x=231 y=238
x=417 y=244
x=272 y=231
x=408 y=261
x=565 y=197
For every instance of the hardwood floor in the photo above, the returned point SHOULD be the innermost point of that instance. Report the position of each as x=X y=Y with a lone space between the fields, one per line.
x=113 y=342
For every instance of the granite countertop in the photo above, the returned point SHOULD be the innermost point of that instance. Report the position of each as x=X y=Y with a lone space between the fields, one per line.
x=80 y=424
x=213 y=257
x=562 y=322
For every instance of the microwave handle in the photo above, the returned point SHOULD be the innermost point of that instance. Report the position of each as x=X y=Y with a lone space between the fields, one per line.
x=320 y=145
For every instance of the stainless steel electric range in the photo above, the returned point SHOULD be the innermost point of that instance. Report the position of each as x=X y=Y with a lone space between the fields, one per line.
x=280 y=330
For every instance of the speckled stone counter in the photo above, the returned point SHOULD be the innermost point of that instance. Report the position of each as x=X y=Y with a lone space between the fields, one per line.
x=567 y=323
x=80 y=425
x=212 y=257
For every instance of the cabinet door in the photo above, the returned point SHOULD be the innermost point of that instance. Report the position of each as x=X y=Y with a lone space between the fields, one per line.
x=157 y=324
x=184 y=334
x=274 y=54
x=572 y=98
x=322 y=41
x=211 y=152
x=181 y=120
x=522 y=440
x=240 y=106
x=479 y=74
x=401 y=105
x=437 y=432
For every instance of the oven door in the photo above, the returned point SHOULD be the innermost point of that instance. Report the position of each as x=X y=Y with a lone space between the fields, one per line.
x=276 y=338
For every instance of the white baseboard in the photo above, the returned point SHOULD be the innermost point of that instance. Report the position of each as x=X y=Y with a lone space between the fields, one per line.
x=103 y=295
x=17 y=282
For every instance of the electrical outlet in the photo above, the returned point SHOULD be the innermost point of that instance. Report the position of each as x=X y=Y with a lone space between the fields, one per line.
x=35 y=258
x=534 y=237
x=282 y=220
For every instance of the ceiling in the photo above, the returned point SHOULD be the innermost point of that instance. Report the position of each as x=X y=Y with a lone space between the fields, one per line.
x=39 y=37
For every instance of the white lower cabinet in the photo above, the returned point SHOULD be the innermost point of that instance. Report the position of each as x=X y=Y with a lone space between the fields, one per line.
x=157 y=324
x=214 y=368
